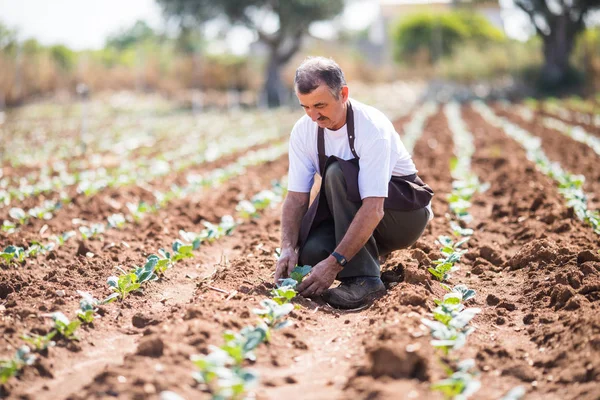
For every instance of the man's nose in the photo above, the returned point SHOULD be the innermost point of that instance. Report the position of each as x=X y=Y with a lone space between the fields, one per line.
x=314 y=114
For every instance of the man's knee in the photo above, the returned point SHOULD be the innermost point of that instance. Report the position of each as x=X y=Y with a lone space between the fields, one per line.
x=313 y=252
x=334 y=174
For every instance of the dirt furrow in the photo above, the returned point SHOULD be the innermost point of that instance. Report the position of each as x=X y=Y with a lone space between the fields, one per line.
x=533 y=265
x=108 y=201
x=29 y=293
x=573 y=156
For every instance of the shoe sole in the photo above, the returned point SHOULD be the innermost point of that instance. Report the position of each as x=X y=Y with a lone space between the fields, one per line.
x=365 y=303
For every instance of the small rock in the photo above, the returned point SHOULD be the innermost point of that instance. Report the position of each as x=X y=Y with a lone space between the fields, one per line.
x=60 y=293
x=492 y=300
x=528 y=319
x=586 y=256
x=140 y=320
x=151 y=347
x=508 y=306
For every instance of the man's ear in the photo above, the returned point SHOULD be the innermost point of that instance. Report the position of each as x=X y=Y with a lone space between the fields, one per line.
x=345 y=93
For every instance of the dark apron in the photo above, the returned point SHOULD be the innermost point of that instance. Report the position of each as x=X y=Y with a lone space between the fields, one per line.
x=405 y=193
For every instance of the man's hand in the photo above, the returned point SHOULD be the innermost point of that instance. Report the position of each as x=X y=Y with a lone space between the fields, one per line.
x=286 y=263
x=321 y=277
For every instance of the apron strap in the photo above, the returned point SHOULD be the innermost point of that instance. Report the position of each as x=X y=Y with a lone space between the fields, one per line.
x=351 y=138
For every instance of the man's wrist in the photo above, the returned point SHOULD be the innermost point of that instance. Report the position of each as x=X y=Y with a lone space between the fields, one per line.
x=334 y=264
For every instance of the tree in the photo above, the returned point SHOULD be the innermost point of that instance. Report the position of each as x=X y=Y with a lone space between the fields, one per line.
x=439 y=34
x=138 y=33
x=558 y=23
x=293 y=19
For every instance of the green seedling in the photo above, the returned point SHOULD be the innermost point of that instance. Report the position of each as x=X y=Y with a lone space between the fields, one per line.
x=240 y=346
x=246 y=210
x=36 y=248
x=65 y=327
x=10 y=368
x=299 y=272
x=19 y=215
x=13 y=254
x=182 y=251
x=87 y=307
x=273 y=313
x=286 y=288
x=122 y=285
x=194 y=238
x=64 y=237
x=460 y=232
x=116 y=221
x=138 y=210
x=9 y=227
x=91 y=232
x=283 y=294
x=224 y=380
x=461 y=384
x=39 y=342
x=163 y=261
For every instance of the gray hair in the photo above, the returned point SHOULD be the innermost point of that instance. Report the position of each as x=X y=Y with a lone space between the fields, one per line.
x=315 y=71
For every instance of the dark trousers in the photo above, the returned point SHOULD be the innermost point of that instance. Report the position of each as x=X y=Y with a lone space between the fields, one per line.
x=397 y=230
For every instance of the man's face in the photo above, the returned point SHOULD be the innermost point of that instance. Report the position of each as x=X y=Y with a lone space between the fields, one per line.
x=323 y=108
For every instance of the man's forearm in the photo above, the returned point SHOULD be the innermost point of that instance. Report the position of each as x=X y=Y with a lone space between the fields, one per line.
x=294 y=209
x=362 y=227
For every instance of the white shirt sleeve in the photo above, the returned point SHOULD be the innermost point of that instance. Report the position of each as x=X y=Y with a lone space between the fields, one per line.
x=375 y=172
x=301 y=174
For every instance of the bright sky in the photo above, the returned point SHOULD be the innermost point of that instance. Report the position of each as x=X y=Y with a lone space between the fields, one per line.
x=82 y=24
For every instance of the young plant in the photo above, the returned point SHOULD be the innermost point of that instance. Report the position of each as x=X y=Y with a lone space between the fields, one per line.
x=163 y=261
x=116 y=221
x=10 y=368
x=9 y=227
x=453 y=253
x=122 y=285
x=13 y=254
x=273 y=313
x=87 y=307
x=286 y=288
x=222 y=378
x=65 y=327
x=460 y=384
x=91 y=232
x=182 y=251
x=64 y=237
x=19 y=215
x=39 y=342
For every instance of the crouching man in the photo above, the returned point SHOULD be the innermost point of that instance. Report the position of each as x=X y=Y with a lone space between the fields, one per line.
x=371 y=201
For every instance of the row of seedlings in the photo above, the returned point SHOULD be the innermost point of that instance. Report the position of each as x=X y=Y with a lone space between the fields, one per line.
x=136 y=278
x=576 y=133
x=414 y=128
x=137 y=211
x=223 y=372
x=450 y=325
x=92 y=182
x=570 y=186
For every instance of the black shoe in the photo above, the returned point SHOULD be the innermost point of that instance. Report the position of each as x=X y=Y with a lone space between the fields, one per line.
x=355 y=292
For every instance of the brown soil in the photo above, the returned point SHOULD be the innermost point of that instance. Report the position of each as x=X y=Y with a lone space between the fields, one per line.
x=534 y=266
x=573 y=156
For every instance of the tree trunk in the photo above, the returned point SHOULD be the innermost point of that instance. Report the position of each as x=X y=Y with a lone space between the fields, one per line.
x=274 y=89
x=557 y=50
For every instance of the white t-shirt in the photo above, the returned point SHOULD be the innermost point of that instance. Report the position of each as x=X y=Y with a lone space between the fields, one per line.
x=377 y=144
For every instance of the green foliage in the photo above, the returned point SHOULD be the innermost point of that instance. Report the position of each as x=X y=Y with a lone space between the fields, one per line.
x=64 y=57
x=440 y=33
x=10 y=368
x=138 y=33
x=460 y=384
x=39 y=342
x=13 y=254
x=65 y=327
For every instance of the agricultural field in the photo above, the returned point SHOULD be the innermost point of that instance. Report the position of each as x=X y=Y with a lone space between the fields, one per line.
x=138 y=246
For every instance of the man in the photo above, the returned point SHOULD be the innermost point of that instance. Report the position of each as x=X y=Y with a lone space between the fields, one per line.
x=371 y=201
